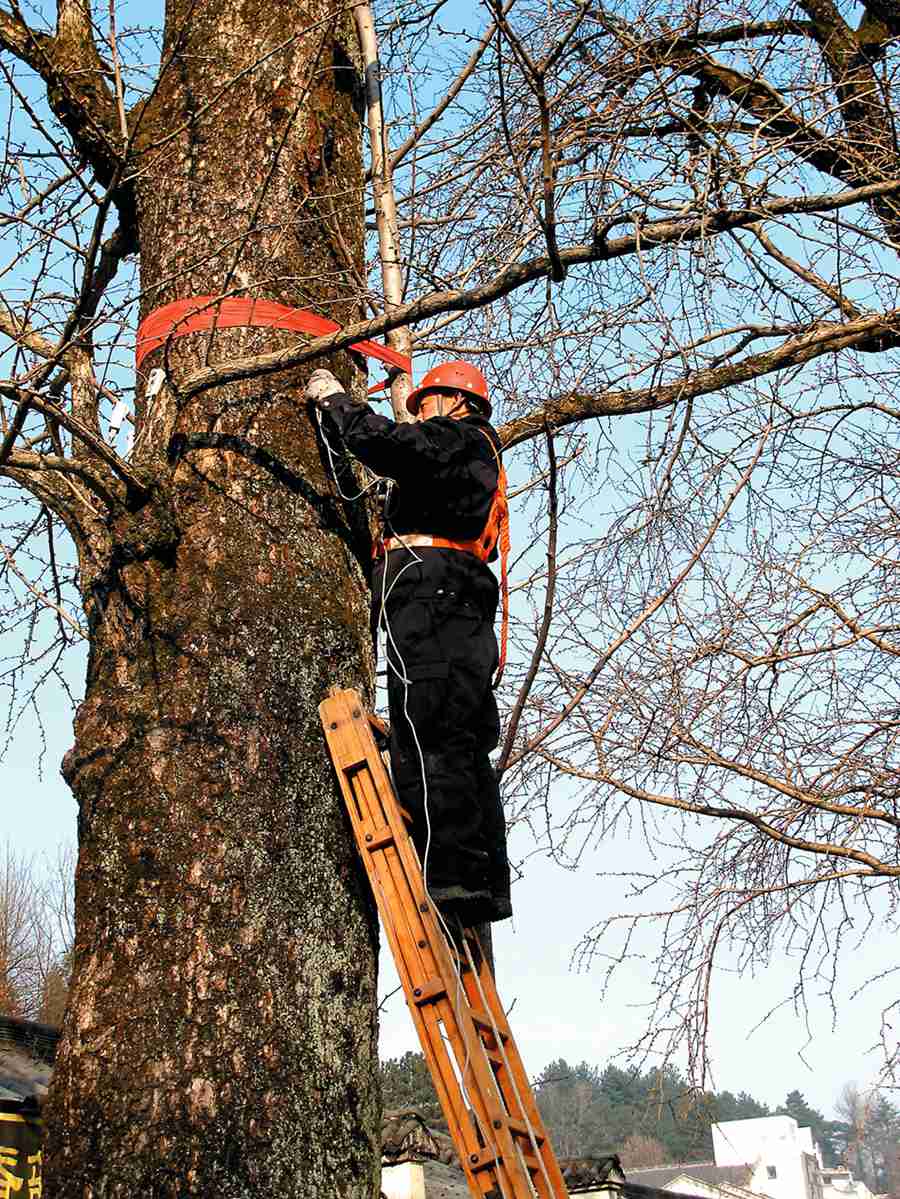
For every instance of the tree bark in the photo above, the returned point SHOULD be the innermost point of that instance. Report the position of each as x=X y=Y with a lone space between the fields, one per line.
x=221 y=1035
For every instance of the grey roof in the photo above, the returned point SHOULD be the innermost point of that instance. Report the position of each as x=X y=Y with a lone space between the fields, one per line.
x=27 y=1050
x=406 y=1137
x=38 y=1041
x=661 y=1176
x=21 y=1077
x=588 y=1173
x=445 y=1182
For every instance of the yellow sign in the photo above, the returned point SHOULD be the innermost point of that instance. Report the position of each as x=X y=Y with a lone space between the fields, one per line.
x=21 y=1157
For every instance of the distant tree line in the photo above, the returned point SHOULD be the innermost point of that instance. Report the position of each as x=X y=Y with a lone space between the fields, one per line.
x=657 y=1117
x=35 y=937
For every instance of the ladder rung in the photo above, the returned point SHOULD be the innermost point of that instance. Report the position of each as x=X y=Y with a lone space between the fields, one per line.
x=379 y=839
x=352 y=764
x=520 y=1129
x=429 y=991
x=483 y=1021
x=486 y=1160
x=380 y=726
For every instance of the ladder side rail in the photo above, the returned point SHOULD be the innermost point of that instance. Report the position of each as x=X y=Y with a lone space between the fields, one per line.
x=365 y=793
x=383 y=811
x=371 y=808
x=383 y=868
x=478 y=1078
x=405 y=924
x=466 y=1043
x=414 y=971
x=473 y=1068
x=550 y=1184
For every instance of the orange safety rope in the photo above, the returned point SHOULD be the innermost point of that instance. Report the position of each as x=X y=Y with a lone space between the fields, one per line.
x=504 y=577
x=497 y=533
x=212 y=312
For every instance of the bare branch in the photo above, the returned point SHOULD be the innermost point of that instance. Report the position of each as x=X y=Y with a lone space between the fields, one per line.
x=653 y=235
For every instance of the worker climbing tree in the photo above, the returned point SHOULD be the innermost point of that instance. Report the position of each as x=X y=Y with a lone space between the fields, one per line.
x=435 y=597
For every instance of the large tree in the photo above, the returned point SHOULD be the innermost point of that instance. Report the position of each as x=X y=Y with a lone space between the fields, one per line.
x=221 y=1031
x=670 y=234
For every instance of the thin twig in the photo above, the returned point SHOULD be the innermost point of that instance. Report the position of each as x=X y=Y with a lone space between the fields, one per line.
x=44 y=599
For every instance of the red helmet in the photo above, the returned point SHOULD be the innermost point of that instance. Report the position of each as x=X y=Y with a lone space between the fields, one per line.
x=452 y=376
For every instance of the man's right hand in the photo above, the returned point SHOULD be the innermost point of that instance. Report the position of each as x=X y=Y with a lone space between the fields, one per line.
x=321 y=385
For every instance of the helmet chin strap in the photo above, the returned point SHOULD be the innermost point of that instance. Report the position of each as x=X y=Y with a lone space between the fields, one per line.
x=455 y=401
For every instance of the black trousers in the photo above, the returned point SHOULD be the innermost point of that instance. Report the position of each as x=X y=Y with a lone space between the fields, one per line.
x=441 y=658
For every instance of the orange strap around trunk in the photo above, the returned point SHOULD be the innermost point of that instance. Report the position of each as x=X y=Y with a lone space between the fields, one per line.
x=212 y=312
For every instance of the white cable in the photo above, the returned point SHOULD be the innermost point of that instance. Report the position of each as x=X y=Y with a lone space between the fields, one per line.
x=331 y=462
x=402 y=674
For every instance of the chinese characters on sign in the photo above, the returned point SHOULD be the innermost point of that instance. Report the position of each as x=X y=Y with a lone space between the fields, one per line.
x=10 y=1178
x=21 y=1159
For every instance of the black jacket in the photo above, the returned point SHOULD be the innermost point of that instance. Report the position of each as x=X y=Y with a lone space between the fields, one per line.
x=446 y=474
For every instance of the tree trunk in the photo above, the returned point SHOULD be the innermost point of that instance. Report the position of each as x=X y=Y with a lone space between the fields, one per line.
x=221 y=1036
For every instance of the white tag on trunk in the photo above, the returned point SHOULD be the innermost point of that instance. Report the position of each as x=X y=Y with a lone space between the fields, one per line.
x=155 y=381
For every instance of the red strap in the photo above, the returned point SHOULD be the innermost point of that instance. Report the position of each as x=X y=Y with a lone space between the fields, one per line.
x=207 y=312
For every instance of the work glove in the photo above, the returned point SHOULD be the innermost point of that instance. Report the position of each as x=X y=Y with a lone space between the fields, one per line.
x=322 y=385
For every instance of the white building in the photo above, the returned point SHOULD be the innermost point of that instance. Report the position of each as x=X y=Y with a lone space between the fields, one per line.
x=839 y=1183
x=765 y=1158
x=404 y=1181
x=783 y=1156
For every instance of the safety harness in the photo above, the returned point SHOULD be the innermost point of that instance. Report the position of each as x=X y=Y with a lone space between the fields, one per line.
x=494 y=535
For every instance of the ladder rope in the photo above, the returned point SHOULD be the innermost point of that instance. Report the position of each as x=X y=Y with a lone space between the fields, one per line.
x=532 y=1136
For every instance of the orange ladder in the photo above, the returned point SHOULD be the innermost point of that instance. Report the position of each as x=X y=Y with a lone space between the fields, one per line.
x=470 y=1051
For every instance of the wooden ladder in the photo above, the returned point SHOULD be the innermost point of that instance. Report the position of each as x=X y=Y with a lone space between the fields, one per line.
x=470 y=1051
